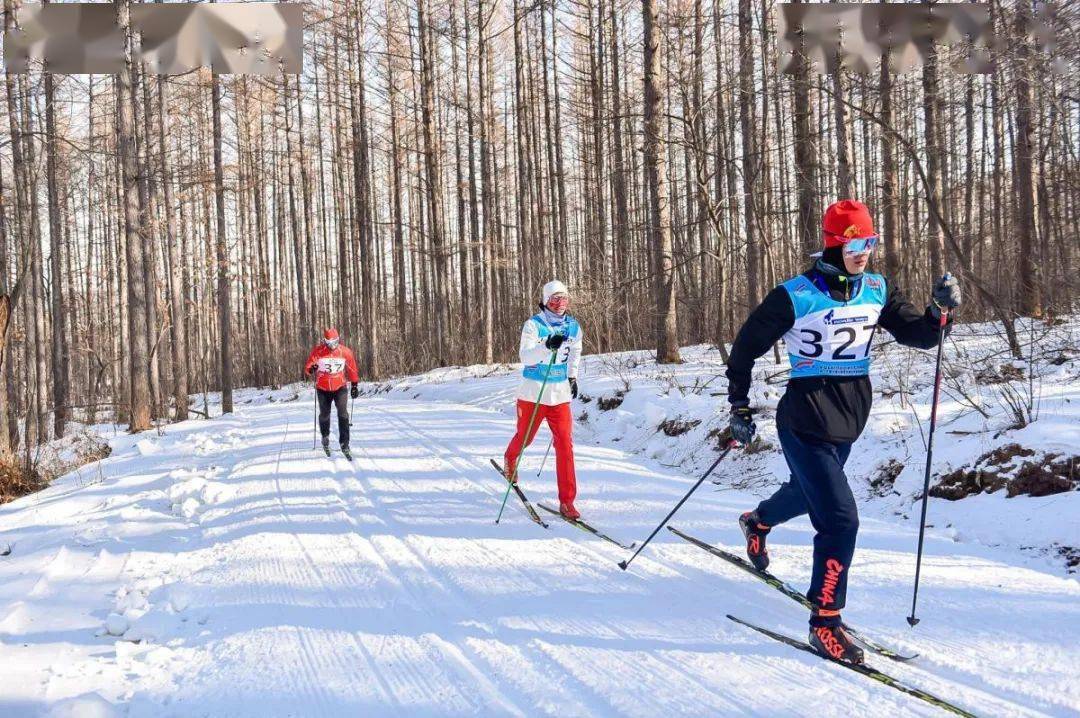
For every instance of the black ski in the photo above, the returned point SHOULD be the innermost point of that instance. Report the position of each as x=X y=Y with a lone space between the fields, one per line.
x=864 y=669
x=791 y=593
x=517 y=490
x=587 y=528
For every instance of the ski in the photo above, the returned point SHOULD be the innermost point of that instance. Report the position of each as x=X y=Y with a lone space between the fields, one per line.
x=868 y=671
x=791 y=593
x=517 y=490
x=587 y=528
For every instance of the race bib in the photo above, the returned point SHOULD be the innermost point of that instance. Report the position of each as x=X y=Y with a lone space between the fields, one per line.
x=832 y=338
x=331 y=365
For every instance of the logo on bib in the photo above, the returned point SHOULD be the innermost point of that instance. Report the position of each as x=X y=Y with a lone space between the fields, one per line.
x=831 y=319
x=874 y=283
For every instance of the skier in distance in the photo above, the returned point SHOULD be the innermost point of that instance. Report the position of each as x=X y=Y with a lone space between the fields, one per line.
x=332 y=365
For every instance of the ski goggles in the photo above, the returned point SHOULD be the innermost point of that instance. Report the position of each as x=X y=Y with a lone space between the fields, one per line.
x=860 y=245
x=331 y=343
x=558 y=302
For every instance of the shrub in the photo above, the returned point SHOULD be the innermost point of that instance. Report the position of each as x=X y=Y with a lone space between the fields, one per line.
x=18 y=479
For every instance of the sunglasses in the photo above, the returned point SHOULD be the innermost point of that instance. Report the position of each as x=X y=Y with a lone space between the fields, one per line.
x=331 y=343
x=558 y=301
x=860 y=245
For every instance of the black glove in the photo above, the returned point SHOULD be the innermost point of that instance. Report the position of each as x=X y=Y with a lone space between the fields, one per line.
x=555 y=341
x=946 y=294
x=573 y=387
x=311 y=369
x=742 y=424
x=354 y=391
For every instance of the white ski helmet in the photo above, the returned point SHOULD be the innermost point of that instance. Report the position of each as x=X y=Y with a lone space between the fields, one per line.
x=554 y=287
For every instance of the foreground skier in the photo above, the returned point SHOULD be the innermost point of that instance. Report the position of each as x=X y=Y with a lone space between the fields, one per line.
x=827 y=317
x=551 y=330
x=332 y=364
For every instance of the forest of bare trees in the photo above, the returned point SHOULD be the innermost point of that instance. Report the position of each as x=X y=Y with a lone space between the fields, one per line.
x=435 y=163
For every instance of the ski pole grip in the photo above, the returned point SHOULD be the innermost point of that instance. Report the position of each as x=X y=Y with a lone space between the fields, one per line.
x=944 y=311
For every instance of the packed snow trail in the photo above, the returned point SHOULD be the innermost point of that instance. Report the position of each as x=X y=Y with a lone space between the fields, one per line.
x=242 y=573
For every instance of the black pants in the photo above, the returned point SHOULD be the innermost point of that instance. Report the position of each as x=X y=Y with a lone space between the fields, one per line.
x=819 y=487
x=340 y=398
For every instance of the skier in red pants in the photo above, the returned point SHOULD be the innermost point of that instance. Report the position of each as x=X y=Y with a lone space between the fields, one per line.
x=550 y=331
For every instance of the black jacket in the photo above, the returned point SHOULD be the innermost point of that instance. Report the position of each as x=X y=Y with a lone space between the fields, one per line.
x=832 y=408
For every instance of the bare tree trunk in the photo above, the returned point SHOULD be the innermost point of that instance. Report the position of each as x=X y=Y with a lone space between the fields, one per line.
x=486 y=192
x=294 y=227
x=397 y=221
x=750 y=159
x=931 y=120
x=1028 y=240
x=667 y=329
x=177 y=308
x=888 y=173
x=361 y=190
x=222 y=255
x=845 y=183
x=434 y=194
x=61 y=361
x=806 y=171
x=139 y=419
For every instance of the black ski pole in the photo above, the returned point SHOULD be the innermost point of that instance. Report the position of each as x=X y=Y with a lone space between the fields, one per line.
x=315 y=423
x=730 y=445
x=929 y=454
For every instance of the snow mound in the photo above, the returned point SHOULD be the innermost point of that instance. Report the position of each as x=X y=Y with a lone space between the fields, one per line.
x=88 y=705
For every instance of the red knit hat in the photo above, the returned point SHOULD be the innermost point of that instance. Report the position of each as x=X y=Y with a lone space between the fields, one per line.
x=330 y=334
x=846 y=220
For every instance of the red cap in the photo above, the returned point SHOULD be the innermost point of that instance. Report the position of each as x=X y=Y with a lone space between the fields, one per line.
x=330 y=334
x=846 y=220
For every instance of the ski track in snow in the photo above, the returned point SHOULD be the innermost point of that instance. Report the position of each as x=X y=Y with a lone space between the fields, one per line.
x=225 y=568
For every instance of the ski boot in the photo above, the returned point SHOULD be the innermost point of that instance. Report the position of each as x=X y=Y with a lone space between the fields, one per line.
x=834 y=642
x=567 y=509
x=345 y=452
x=755 y=533
x=326 y=445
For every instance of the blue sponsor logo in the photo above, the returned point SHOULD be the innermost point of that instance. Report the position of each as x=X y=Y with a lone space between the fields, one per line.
x=833 y=320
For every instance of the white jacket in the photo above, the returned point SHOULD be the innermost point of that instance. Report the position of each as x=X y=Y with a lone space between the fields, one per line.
x=535 y=356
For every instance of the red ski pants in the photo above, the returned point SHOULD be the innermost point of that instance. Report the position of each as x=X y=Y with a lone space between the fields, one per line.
x=561 y=423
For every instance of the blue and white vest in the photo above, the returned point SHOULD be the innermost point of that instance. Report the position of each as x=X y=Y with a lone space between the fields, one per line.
x=572 y=331
x=830 y=337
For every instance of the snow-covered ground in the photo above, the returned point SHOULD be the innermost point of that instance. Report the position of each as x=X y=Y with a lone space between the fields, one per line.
x=224 y=568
